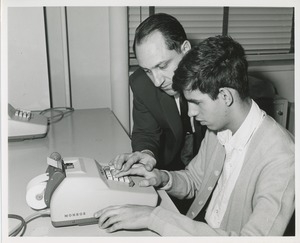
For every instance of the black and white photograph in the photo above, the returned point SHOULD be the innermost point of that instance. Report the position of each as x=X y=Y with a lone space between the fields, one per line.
x=149 y=121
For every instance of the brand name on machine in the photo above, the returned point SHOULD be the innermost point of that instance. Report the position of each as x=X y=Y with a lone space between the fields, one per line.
x=71 y=215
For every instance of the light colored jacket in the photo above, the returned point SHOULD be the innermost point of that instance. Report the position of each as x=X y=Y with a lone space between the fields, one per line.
x=263 y=199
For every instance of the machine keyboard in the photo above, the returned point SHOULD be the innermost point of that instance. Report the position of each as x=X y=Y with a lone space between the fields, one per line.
x=110 y=176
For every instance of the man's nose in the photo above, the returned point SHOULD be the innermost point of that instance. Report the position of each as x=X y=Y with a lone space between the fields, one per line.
x=158 y=79
x=193 y=111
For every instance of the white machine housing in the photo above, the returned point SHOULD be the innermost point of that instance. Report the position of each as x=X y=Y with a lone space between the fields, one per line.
x=86 y=190
x=25 y=124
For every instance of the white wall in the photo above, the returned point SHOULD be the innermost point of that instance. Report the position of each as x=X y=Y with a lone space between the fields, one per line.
x=79 y=56
x=58 y=59
x=28 y=86
x=89 y=52
x=88 y=34
x=119 y=65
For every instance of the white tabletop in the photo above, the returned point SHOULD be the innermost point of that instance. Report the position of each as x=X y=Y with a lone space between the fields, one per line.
x=93 y=133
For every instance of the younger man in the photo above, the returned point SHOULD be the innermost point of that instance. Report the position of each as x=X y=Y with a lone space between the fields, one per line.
x=246 y=160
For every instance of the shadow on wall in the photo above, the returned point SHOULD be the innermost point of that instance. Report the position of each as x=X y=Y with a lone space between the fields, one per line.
x=263 y=92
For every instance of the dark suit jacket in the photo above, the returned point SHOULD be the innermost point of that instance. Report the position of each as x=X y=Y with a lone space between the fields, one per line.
x=157 y=123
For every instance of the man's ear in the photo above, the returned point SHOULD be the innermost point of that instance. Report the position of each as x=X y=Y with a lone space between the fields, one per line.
x=185 y=47
x=226 y=95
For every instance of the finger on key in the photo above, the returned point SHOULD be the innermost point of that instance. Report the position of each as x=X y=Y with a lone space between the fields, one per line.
x=140 y=171
x=119 y=161
x=134 y=158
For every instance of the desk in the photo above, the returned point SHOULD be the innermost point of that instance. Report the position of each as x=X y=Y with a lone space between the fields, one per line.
x=93 y=133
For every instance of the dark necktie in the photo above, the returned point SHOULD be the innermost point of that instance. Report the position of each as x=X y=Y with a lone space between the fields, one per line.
x=186 y=121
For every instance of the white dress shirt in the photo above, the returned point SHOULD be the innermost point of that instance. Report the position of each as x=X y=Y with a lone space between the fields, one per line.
x=235 y=147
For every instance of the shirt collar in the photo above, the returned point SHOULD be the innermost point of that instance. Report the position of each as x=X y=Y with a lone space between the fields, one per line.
x=240 y=139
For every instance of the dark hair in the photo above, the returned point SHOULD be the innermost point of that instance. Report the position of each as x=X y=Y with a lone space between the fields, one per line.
x=169 y=26
x=214 y=63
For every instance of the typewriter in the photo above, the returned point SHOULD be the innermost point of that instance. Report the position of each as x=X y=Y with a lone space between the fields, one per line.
x=75 y=188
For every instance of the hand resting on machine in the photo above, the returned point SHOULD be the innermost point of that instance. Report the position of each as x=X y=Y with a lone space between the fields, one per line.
x=118 y=217
x=124 y=162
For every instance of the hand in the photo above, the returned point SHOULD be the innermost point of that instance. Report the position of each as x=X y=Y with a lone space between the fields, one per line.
x=125 y=161
x=154 y=178
x=115 y=218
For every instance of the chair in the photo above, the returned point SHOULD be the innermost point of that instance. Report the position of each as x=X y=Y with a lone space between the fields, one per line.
x=290 y=229
x=264 y=94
